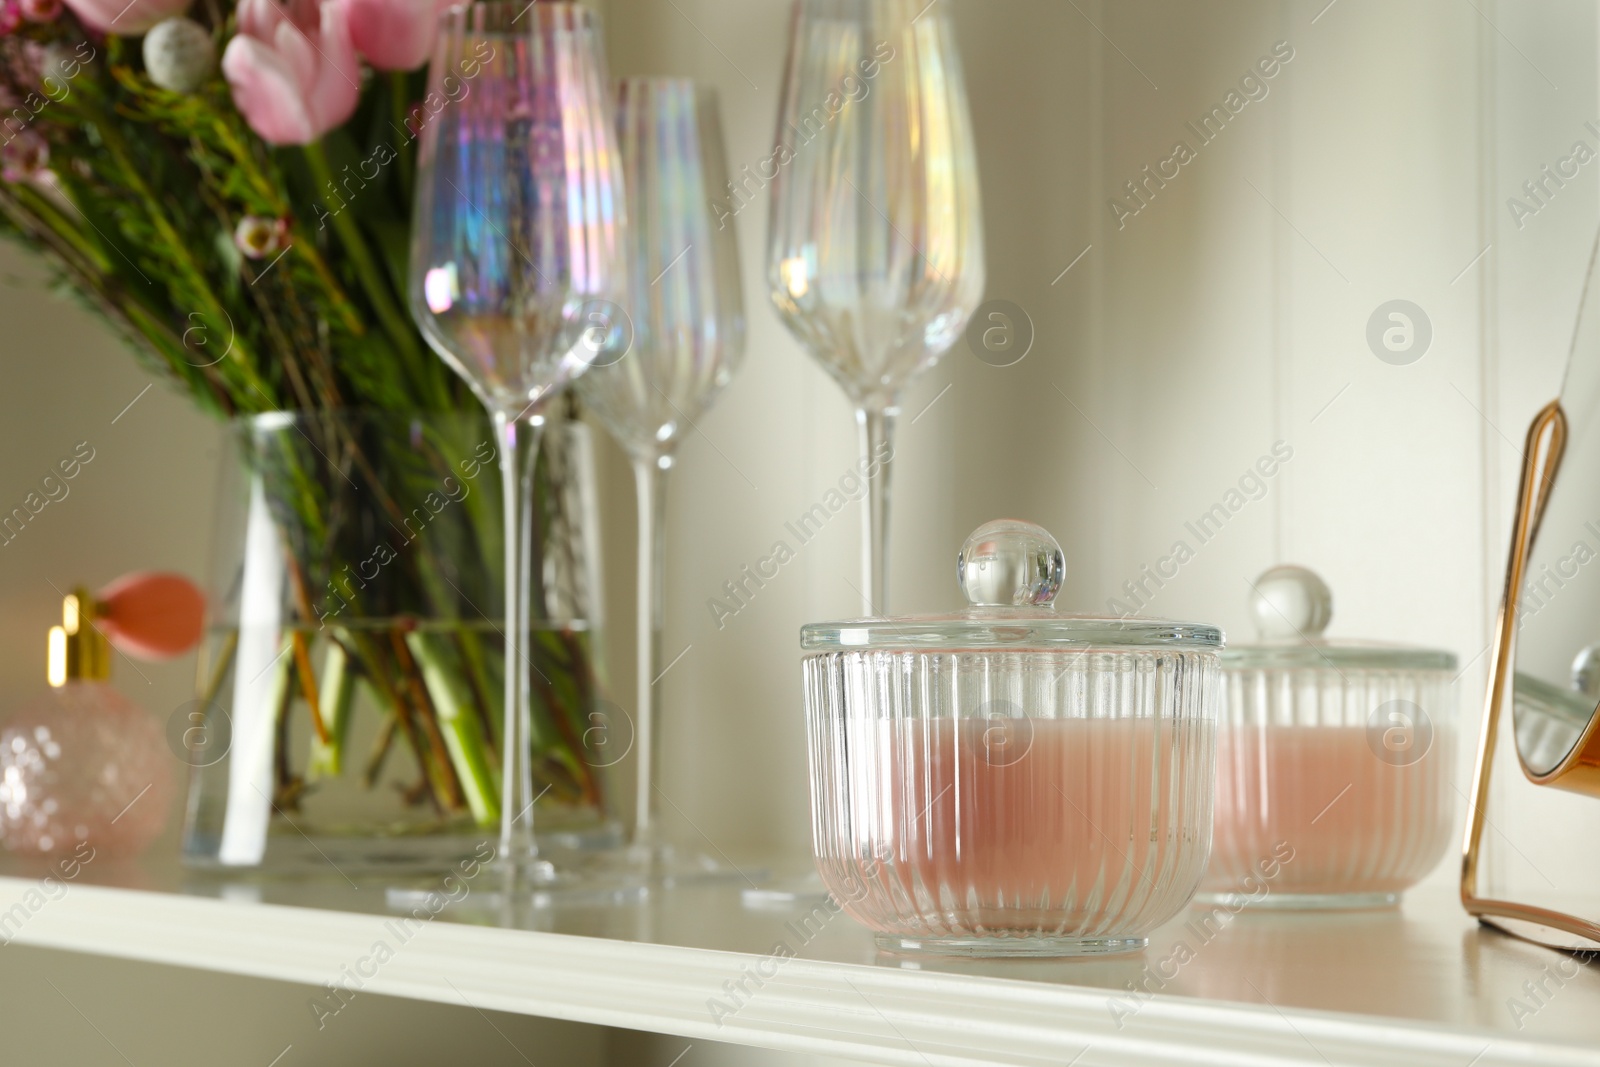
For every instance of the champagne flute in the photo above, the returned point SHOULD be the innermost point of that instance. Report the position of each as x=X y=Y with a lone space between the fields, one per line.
x=516 y=257
x=687 y=317
x=875 y=254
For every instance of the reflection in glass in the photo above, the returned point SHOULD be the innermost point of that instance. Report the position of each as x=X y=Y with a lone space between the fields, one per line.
x=1558 y=611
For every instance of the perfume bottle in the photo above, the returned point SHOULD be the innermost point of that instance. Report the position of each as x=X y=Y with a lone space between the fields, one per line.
x=85 y=765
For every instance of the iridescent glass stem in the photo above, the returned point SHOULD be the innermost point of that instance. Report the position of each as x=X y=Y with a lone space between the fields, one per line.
x=650 y=480
x=876 y=425
x=687 y=317
x=518 y=453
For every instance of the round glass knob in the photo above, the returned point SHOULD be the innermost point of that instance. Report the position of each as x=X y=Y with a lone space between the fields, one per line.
x=1010 y=563
x=1291 y=601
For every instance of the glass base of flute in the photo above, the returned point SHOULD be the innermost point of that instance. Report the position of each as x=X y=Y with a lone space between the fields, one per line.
x=505 y=899
x=801 y=890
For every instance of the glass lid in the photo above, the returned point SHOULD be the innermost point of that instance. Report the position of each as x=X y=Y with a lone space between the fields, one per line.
x=1010 y=572
x=1292 y=607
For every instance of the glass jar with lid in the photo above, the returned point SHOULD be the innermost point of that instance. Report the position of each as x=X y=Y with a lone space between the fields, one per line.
x=1007 y=779
x=1335 y=760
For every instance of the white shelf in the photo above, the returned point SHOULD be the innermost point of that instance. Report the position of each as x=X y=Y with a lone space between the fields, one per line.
x=1424 y=988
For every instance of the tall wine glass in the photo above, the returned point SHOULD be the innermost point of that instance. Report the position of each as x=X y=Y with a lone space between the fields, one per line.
x=875 y=254
x=516 y=261
x=688 y=326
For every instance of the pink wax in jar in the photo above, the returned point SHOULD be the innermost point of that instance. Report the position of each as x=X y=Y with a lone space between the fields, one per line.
x=1008 y=780
x=1337 y=753
x=1360 y=827
x=1081 y=823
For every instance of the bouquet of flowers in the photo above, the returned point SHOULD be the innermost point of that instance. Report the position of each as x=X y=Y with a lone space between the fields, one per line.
x=245 y=222
x=230 y=187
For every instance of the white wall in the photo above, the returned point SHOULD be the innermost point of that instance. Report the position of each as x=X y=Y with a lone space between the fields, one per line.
x=1227 y=315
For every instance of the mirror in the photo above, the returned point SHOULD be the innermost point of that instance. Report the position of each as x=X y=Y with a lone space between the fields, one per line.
x=1547 y=638
x=1556 y=680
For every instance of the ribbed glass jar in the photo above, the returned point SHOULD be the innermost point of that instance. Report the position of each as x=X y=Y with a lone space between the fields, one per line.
x=1006 y=780
x=1335 y=766
x=1011 y=802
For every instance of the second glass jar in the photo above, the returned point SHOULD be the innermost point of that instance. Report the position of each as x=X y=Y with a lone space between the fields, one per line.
x=1335 y=760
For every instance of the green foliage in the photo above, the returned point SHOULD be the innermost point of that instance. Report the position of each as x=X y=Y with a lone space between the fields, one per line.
x=148 y=189
x=137 y=213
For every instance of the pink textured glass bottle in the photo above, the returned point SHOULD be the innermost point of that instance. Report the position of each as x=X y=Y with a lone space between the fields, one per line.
x=85 y=766
x=1008 y=780
x=1334 y=760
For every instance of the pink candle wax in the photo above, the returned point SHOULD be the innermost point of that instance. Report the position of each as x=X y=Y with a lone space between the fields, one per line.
x=1077 y=828
x=1359 y=823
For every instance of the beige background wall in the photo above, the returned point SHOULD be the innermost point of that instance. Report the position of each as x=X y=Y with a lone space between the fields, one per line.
x=1226 y=316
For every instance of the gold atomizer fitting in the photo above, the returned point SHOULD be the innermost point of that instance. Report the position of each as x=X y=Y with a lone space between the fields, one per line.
x=78 y=651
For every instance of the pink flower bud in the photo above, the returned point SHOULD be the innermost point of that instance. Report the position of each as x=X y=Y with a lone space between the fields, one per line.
x=395 y=34
x=293 y=82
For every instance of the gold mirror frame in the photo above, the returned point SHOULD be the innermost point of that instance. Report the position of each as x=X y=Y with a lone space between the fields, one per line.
x=1579 y=771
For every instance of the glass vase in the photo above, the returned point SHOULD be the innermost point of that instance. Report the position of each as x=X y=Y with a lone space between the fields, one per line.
x=350 y=684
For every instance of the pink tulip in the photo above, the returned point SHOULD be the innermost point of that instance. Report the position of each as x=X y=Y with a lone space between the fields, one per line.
x=124 y=18
x=293 y=70
x=395 y=34
x=261 y=18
